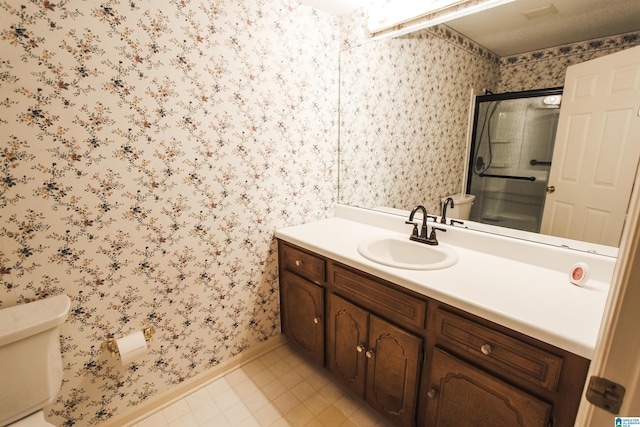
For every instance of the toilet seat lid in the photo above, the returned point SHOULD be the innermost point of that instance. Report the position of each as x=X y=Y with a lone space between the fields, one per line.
x=34 y=420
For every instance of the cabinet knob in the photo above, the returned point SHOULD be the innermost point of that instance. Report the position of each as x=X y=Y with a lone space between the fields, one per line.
x=360 y=348
x=298 y=262
x=432 y=394
x=486 y=349
x=369 y=354
x=316 y=320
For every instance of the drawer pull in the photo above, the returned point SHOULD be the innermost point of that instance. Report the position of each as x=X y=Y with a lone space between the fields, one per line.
x=298 y=262
x=360 y=348
x=432 y=394
x=369 y=354
x=316 y=320
x=486 y=349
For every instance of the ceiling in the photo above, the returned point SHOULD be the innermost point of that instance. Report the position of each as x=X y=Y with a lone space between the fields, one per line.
x=505 y=30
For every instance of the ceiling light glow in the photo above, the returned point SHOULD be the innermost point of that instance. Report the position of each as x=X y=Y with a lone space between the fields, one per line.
x=389 y=13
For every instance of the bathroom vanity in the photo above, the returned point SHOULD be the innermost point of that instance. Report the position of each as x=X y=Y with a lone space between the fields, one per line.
x=441 y=347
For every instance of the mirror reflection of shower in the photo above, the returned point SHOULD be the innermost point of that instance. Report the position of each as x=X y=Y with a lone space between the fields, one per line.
x=512 y=146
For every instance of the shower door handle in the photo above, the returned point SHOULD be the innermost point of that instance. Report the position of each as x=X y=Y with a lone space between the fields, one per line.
x=550 y=189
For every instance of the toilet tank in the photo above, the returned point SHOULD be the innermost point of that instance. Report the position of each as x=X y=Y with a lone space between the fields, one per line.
x=30 y=359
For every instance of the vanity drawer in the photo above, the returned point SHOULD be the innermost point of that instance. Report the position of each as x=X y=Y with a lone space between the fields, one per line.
x=379 y=298
x=303 y=264
x=500 y=351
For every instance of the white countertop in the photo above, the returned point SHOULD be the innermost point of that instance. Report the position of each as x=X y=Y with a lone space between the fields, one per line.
x=521 y=285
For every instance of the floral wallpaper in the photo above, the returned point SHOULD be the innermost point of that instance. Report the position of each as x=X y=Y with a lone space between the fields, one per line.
x=546 y=68
x=404 y=112
x=405 y=102
x=149 y=150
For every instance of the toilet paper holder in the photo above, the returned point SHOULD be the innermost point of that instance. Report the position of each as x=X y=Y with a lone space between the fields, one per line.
x=112 y=346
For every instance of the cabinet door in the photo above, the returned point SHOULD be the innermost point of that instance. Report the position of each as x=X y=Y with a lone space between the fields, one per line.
x=347 y=343
x=394 y=358
x=302 y=315
x=464 y=396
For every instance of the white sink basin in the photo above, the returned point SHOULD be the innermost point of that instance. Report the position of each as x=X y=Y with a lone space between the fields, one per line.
x=406 y=254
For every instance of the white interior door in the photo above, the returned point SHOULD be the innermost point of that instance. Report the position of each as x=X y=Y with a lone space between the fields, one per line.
x=617 y=355
x=596 y=151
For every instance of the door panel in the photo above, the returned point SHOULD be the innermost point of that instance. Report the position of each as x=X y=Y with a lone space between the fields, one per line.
x=596 y=151
x=465 y=396
x=348 y=330
x=393 y=368
x=303 y=316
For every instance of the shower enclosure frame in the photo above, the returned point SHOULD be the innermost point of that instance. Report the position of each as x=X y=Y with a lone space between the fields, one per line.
x=515 y=179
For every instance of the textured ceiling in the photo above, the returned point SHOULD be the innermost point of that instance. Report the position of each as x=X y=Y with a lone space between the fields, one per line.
x=505 y=30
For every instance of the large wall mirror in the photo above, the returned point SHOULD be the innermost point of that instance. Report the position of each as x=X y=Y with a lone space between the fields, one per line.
x=405 y=102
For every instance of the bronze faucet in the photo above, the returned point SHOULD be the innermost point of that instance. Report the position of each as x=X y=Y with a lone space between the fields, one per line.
x=443 y=218
x=422 y=237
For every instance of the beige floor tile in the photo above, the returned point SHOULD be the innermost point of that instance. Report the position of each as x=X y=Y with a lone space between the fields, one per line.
x=217 y=421
x=187 y=420
x=290 y=379
x=198 y=398
x=318 y=380
x=249 y=422
x=176 y=410
x=237 y=414
x=365 y=418
x=237 y=376
x=299 y=416
x=269 y=359
x=286 y=402
x=294 y=360
x=305 y=370
x=332 y=392
x=279 y=368
x=267 y=415
x=282 y=422
x=262 y=378
x=218 y=387
x=303 y=390
x=317 y=403
x=331 y=417
x=254 y=367
x=347 y=404
x=273 y=390
x=246 y=388
x=155 y=420
x=227 y=400
x=256 y=401
x=284 y=351
x=278 y=389
x=206 y=412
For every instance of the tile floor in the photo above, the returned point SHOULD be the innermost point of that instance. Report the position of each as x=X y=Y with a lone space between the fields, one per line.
x=279 y=388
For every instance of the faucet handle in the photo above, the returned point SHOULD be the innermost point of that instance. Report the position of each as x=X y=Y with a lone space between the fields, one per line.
x=432 y=236
x=433 y=218
x=414 y=233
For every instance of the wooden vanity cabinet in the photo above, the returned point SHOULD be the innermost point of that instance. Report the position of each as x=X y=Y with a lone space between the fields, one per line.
x=486 y=374
x=465 y=395
x=418 y=361
x=302 y=305
x=378 y=361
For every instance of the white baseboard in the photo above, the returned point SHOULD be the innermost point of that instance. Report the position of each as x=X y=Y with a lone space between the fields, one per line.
x=172 y=395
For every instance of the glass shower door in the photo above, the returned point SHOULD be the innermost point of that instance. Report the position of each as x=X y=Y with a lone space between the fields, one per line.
x=511 y=152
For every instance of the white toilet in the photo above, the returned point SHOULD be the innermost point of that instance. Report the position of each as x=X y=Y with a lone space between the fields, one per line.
x=31 y=362
x=461 y=205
